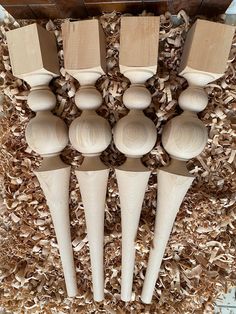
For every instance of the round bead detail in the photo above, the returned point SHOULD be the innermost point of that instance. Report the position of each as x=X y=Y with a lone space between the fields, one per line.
x=193 y=98
x=88 y=98
x=137 y=97
x=41 y=100
x=185 y=136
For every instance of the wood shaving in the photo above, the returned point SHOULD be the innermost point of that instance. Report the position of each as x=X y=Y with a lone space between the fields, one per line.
x=199 y=262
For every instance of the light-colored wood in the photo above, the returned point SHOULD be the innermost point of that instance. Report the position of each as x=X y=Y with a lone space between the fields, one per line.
x=207 y=48
x=84 y=49
x=132 y=186
x=93 y=188
x=46 y=134
x=135 y=134
x=184 y=137
x=171 y=191
x=31 y=49
x=139 y=39
x=33 y=57
x=90 y=134
x=55 y=185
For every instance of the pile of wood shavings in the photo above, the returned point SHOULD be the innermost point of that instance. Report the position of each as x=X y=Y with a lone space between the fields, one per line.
x=199 y=263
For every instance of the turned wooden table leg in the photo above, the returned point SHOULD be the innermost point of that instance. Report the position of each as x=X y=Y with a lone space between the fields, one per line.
x=184 y=137
x=33 y=55
x=135 y=134
x=90 y=134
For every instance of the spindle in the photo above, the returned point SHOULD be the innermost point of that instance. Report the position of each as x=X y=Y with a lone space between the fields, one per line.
x=204 y=60
x=135 y=134
x=33 y=55
x=90 y=134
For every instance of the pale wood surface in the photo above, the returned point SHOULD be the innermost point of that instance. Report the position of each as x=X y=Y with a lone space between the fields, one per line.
x=171 y=191
x=207 y=47
x=132 y=186
x=204 y=59
x=46 y=133
x=139 y=38
x=135 y=134
x=84 y=45
x=93 y=188
x=33 y=55
x=32 y=49
x=184 y=136
x=90 y=134
x=55 y=185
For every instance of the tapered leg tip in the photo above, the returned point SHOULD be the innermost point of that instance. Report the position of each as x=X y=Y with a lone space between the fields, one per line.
x=98 y=298
x=72 y=294
x=146 y=299
x=125 y=298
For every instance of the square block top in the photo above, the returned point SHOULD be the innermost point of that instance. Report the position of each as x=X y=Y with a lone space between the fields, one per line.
x=139 y=39
x=84 y=45
x=207 y=48
x=32 y=49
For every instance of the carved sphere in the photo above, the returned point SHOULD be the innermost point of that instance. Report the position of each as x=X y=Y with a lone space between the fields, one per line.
x=90 y=134
x=137 y=97
x=135 y=135
x=193 y=99
x=185 y=136
x=41 y=99
x=88 y=98
x=46 y=134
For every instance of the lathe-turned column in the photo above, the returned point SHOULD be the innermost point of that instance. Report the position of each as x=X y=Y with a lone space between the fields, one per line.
x=90 y=134
x=135 y=134
x=33 y=55
x=204 y=60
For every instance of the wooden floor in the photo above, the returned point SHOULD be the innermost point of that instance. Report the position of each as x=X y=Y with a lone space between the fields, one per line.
x=31 y=9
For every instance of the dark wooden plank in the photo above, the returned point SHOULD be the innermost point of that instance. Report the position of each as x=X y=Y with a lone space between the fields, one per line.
x=58 y=9
x=72 y=8
x=156 y=7
x=190 y=6
x=94 y=9
x=111 y=1
x=30 y=9
x=214 y=7
x=46 y=11
x=20 y=11
x=25 y=2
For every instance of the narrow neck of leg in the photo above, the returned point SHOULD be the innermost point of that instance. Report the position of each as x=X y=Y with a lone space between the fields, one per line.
x=178 y=167
x=92 y=163
x=52 y=162
x=133 y=164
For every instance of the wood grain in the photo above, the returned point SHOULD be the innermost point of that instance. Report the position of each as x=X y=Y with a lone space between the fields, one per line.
x=33 y=55
x=84 y=45
x=212 y=50
x=185 y=136
x=139 y=48
x=36 y=50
